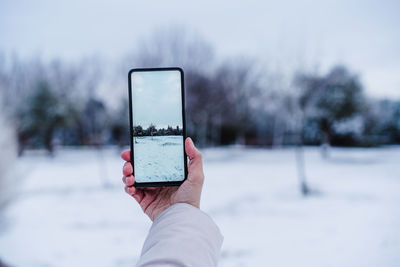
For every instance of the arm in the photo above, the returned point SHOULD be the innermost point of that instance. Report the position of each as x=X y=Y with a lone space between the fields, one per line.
x=181 y=235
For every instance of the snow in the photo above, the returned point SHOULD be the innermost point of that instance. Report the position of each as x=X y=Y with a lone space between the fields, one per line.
x=159 y=158
x=72 y=210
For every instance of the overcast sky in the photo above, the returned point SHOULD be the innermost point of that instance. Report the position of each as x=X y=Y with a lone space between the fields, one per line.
x=363 y=34
x=156 y=99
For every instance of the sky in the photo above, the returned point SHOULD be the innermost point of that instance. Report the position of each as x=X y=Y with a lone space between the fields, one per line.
x=156 y=98
x=363 y=34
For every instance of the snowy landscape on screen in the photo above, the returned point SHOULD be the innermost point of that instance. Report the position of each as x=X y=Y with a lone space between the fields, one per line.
x=158 y=158
x=71 y=210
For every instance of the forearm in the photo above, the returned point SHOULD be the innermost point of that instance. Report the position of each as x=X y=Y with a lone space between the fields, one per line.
x=182 y=235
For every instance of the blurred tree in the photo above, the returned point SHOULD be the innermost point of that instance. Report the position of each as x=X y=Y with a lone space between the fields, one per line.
x=298 y=104
x=236 y=84
x=333 y=98
x=94 y=118
x=52 y=101
x=119 y=124
x=271 y=107
x=40 y=117
x=390 y=128
x=381 y=123
x=236 y=101
x=175 y=46
x=201 y=105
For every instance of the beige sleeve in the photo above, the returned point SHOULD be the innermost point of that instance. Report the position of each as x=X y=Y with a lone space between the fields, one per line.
x=182 y=235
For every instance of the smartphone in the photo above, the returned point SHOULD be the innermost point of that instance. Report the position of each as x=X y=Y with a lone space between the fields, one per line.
x=157 y=126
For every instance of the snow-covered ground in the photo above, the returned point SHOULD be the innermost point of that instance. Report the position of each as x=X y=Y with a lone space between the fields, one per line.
x=72 y=210
x=159 y=158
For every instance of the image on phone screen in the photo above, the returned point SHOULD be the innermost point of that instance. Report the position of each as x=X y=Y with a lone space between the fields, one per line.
x=157 y=125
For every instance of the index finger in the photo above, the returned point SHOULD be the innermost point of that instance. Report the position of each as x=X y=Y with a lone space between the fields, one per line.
x=126 y=155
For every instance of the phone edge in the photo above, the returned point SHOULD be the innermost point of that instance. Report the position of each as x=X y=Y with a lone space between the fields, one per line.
x=183 y=98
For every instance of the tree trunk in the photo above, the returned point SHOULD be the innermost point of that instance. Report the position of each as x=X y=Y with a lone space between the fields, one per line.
x=300 y=161
x=301 y=173
x=48 y=140
x=277 y=134
x=326 y=138
x=325 y=145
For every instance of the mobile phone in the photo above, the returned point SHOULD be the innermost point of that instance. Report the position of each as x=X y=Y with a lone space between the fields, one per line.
x=157 y=126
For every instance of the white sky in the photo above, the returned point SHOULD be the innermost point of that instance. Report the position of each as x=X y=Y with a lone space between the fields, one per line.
x=363 y=34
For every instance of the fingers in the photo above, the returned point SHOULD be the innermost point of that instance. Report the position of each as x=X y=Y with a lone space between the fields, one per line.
x=127 y=170
x=130 y=190
x=137 y=194
x=126 y=155
x=128 y=180
x=195 y=175
x=192 y=152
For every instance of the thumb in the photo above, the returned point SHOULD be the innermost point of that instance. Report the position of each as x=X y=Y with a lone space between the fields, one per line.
x=192 y=152
x=195 y=175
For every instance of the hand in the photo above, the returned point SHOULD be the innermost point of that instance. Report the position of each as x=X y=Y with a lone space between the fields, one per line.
x=154 y=200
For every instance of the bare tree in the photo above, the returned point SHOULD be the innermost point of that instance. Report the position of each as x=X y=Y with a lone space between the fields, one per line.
x=329 y=99
x=300 y=103
x=53 y=101
x=175 y=46
x=237 y=87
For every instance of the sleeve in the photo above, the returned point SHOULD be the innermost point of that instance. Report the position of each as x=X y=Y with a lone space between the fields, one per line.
x=182 y=235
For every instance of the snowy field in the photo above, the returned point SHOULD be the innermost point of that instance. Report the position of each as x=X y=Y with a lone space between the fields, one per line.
x=159 y=158
x=71 y=210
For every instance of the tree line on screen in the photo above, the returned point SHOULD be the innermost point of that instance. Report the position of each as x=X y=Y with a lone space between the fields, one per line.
x=152 y=130
x=228 y=101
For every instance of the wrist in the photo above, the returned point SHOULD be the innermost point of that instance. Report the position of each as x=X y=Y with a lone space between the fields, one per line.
x=156 y=212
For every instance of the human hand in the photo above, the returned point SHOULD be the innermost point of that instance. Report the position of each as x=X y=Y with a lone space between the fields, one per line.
x=154 y=200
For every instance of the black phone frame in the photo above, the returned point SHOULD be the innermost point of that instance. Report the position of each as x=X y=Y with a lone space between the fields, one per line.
x=157 y=184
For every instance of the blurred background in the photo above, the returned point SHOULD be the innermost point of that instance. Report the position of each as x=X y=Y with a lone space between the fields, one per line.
x=294 y=104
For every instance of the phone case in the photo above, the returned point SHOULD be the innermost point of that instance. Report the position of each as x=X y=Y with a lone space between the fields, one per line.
x=131 y=135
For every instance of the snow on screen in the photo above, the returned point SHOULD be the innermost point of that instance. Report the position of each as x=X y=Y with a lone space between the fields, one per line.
x=157 y=122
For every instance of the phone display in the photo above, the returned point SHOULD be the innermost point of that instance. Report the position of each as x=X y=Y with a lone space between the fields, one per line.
x=157 y=122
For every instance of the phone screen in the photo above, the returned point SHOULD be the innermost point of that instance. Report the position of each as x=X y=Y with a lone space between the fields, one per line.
x=157 y=121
